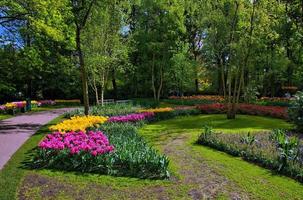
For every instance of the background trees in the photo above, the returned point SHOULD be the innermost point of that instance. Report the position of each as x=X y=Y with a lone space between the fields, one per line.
x=154 y=48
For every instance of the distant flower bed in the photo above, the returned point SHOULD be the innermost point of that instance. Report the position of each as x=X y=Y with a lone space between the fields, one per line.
x=216 y=98
x=46 y=102
x=78 y=123
x=67 y=101
x=16 y=106
x=275 y=99
x=156 y=110
x=249 y=109
x=132 y=117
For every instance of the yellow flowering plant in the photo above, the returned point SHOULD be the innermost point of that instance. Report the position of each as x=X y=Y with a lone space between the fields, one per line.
x=157 y=110
x=67 y=101
x=10 y=106
x=79 y=123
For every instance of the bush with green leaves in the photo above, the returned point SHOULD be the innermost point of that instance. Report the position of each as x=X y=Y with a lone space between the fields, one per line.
x=175 y=113
x=133 y=156
x=275 y=150
x=146 y=103
x=295 y=110
x=248 y=139
x=250 y=93
x=188 y=102
x=106 y=110
x=288 y=147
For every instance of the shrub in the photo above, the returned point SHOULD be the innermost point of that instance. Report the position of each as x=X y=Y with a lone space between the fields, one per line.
x=179 y=111
x=68 y=102
x=188 y=102
x=146 y=103
x=295 y=111
x=132 y=156
x=107 y=110
x=212 y=98
x=287 y=147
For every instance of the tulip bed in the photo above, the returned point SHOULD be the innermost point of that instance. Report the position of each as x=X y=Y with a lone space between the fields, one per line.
x=20 y=106
x=111 y=145
x=248 y=109
x=101 y=145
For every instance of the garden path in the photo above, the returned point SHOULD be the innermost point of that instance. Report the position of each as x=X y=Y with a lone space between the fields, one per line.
x=15 y=131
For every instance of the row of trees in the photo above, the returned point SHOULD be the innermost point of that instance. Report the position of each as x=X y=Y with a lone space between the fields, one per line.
x=152 y=48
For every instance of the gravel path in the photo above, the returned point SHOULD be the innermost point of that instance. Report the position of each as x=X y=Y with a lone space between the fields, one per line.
x=15 y=131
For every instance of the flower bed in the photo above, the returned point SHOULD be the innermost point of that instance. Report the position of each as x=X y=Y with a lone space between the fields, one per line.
x=275 y=150
x=271 y=111
x=247 y=109
x=95 y=143
x=216 y=108
x=274 y=101
x=116 y=149
x=46 y=103
x=215 y=98
x=68 y=102
x=78 y=123
x=156 y=110
x=132 y=117
x=19 y=106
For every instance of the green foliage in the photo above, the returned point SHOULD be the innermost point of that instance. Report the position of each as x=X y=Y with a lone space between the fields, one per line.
x=275 y=151
x=106 y=110
x=207 y=132
x=248 y=139
x=287 y=147
x=251 y=94
x=295 y=111
x=188 y=102
x=146 y=103
x=175 y=113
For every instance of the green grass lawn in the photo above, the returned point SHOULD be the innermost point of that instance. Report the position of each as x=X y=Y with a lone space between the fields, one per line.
x=260 y=183
x=256 y=182
x=5 y=116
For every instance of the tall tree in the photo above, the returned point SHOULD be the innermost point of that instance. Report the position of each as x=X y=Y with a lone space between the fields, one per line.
x=81 y=10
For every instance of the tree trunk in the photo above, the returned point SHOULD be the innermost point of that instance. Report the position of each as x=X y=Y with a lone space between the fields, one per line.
x=231 y=105
x=83 y=71
x=102 y=88
x=153 y=77
x=161 y=84
x=95 y=89
x=114 y=84
x=197 y=85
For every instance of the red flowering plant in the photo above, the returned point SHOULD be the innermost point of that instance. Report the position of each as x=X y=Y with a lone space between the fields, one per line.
x=272 y=111
x=248 y=109
x=216 y=108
